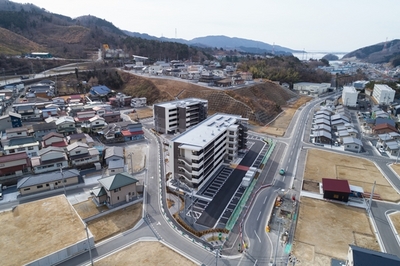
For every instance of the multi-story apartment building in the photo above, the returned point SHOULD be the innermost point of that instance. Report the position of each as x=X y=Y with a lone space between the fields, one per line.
x=383 y=94
x=196 y=153
x=179 y=115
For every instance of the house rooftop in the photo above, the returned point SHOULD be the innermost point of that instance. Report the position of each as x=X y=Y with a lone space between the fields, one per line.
x=181 y=103
x=43 y=126
x=52 y=134
x=53 y=225
x=117 y=181
x=13 y=157
x=114 y=151
x=368 y=257
x=76 y=136
x=336 y=185
x=47 y=177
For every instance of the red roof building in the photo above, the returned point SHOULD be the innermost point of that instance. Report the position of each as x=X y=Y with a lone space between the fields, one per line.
x=336 y=189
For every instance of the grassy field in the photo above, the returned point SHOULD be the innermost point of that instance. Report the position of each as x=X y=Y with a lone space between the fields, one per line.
x=359 y=172
x=325 y=230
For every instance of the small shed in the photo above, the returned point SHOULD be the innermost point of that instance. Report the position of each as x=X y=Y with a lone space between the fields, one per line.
x=336 y=189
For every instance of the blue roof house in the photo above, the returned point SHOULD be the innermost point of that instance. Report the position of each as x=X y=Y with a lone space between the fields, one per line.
x=100 y=90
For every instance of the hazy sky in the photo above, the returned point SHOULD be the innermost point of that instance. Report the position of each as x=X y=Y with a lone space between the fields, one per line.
x=313 y=25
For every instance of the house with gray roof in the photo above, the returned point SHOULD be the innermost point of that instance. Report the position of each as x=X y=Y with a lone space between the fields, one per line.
x=352 y=144
x=48 y=181
x=49 y=159
x=113 y=153
x=119 y=188
x=115 y=167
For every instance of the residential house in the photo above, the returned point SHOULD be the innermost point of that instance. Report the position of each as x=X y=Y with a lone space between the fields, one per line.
x=324 y=112
x=48 y=181
x=322 y=127
x=113 y=153
x=115 y=167
x=337 y=123
x=75 y=99
x=26 y=145
x=322 y=121
x=358 y=256
x=10 y=121
x=81 y=137
x=49 y=159
x=42 y=129
x=84 y=116
x=81 y=155
x=112 y=117
x=14 y=164
x=133 y=132
x=99 y=91
x=392 y=147
x=94 y=124
x=322 y=116
x=321 y=136
x=65 y=125
x=118 y=188
x=384 y=128
x=27 y=111
x=246 y=76
x=352 y=144
x=53 y=139
x=58 y=101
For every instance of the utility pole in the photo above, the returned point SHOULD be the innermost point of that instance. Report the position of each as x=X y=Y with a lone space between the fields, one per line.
x=370 y=197
x=62 y=180
x=88 y=242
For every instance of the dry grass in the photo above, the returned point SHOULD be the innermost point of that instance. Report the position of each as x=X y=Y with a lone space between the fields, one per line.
x=116 y=222
x=36 y=229
x=280 y=125
x=170 y=203
x=325 y=229
x=145 y=253
x=396 y=168
x=395 y=218
x=141 y=113
x=87 y=208
x=359 y=172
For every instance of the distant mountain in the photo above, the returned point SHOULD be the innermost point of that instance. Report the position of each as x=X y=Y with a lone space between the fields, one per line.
x=227 y=43
x=385 y=52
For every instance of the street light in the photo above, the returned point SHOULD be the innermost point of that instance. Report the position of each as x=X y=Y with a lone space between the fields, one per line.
x=62 y=180
x=88 y=243
x=130 y=156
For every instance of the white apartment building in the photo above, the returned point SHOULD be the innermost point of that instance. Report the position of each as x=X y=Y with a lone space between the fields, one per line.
x=383 y=94
x=196 y=153
x=312 y=89
x=179 y=115
x=349 y=96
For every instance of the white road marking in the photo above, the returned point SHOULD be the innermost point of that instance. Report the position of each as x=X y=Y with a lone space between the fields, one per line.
x=257 y=236
x=258 y=217
x=265 y=200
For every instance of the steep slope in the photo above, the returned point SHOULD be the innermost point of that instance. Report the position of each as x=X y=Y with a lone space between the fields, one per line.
x=14 y=44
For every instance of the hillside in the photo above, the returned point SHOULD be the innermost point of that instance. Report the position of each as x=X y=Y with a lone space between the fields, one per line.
x=260 y=103
x=14 y=44
x=385 y=52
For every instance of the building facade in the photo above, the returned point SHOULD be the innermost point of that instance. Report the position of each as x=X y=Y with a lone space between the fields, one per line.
x=196 y=153
x=383 y=94
x=179 y=115
x=349 y=96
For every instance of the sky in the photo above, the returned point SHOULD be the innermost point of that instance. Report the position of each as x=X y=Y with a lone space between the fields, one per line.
x=309 y=25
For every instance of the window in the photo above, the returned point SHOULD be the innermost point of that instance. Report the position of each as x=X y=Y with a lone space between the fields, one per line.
x=39 y=186
x=47 y=185
x=77 y=152
x=26 y=189
x=117 y=189
x=129 y=193
x=30 y=148
x=11 y=151
x=118 y=198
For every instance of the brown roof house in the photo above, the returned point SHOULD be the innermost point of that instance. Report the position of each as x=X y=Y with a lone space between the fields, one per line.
x=116 y=189
x=336 y=189
x=384 y=128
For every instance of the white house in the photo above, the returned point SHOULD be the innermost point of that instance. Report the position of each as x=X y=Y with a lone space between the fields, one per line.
x=65 y=124
x=80 y=154
x=49 y=159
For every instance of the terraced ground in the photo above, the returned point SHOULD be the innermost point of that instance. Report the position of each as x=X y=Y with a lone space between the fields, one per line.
x=261 y=102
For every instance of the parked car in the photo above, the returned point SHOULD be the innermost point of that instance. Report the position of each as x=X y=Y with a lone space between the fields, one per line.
x=282 y=171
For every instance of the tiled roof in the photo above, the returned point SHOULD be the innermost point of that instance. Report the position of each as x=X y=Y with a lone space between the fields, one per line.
x=336 y=185
x=13 y=157
x=45 y=178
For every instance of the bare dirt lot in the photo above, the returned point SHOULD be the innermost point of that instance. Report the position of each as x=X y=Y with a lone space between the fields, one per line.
x=87 y=208
x=139 y=153
x=325 y=229
x=116 y=222
x=145 y=253
x=141 y=113
x=359 y=172
x=280 y=125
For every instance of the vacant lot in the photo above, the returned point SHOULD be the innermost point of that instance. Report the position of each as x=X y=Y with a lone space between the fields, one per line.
x=280 y=125
x=325 y=229
x=141 y=113
x=87 y=208
x=145 y=253
x=116 y=222
x=359 y=172
x=395 y=218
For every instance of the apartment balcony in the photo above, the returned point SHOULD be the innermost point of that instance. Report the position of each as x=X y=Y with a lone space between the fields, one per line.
x=185 y=167
x=183 y=160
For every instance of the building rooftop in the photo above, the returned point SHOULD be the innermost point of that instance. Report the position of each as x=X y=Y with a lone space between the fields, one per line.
x=183 y=102
x=13 y=157
x=36 y=229
x=114 y=151
x=204 y=132
x=336 y=185
x=117 y=181
x=44 y=178
x=368 y=257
